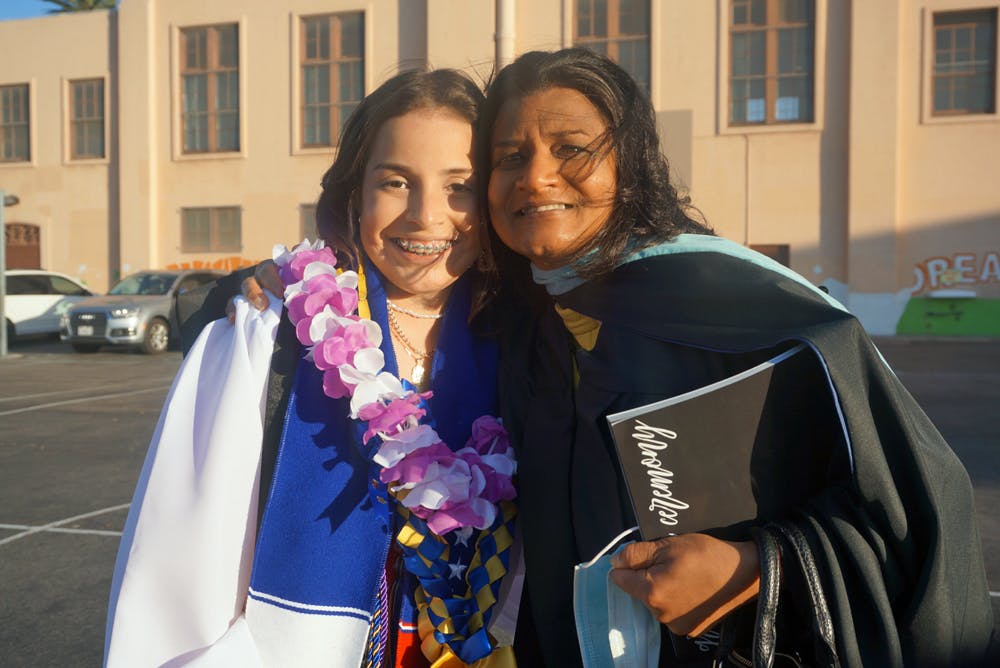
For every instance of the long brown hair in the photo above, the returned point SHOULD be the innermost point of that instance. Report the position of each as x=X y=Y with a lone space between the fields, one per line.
x=647 y=208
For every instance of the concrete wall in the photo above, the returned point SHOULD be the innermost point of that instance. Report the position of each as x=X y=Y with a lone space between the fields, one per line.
x=67 y=200
x=878 y=200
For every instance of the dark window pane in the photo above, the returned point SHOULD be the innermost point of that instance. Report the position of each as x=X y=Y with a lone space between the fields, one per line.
x=737 y=101
x=740 y=14
x=757 y=43
x=351 y=35
x=227 y=131
x=228 y=46
x=633 y=17
x=195 y=233
x=738 y=53
x=228 y=230
x=795 y=11
x=786 y=51
x=196 y=93
x=758 y=12
x=791 y=104
x=980 y=94
x=584 y=17
x=195 y=48
x=345 y=111
x=600 y=18
x=963 y=38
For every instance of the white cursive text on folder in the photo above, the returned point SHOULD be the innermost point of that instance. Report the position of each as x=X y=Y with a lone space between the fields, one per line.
x=660 y=479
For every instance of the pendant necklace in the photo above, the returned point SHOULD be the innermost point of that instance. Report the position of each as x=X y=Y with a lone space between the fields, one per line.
x=418 y=357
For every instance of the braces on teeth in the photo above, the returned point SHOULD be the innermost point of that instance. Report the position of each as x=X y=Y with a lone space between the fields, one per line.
x=424 y=249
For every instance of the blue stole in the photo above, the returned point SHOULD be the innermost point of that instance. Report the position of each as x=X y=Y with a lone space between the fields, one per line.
x=328 y=521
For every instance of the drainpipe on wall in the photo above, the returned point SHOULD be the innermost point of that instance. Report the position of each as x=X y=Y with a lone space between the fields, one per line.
x=504 y=36
x=746 y=190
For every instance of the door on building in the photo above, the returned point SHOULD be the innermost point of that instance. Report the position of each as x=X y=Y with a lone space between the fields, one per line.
x=23 y=247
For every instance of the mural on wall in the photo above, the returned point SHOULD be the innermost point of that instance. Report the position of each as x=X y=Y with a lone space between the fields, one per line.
x=946 y=296
x=231 y=263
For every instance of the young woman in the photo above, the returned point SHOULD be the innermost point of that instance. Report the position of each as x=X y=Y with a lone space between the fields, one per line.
x=374 y=519
x=643 y=303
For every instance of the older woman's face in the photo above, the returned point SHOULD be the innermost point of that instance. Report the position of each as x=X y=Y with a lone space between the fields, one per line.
x=553 y=181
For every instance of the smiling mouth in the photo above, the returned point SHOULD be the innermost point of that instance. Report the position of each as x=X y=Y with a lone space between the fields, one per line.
x=424 y=247
x=530 y=210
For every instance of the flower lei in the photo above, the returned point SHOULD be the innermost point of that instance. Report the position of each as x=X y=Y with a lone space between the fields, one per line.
x=451 y=492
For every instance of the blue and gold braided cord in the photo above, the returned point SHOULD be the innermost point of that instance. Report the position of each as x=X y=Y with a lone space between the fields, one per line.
x=454 y=612
x=378 y=633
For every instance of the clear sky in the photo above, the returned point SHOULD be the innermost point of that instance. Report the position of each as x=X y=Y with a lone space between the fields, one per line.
x=20 y=9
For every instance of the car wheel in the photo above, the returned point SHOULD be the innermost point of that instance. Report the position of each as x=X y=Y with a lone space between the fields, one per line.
x=85 y=347
x=157 y=337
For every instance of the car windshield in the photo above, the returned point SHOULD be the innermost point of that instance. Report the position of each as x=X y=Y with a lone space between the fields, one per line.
x=144 y=284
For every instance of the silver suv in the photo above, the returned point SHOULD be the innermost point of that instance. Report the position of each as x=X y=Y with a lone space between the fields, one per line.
x=139 y=311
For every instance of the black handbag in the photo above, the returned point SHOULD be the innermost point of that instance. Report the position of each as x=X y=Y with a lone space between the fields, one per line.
x=784 y=551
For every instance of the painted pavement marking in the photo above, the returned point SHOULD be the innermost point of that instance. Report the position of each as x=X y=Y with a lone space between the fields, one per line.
x=52 y=525
x=27 y=409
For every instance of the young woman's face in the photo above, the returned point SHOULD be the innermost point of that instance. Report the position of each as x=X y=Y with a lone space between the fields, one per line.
x=553 y=183
x=419 y=211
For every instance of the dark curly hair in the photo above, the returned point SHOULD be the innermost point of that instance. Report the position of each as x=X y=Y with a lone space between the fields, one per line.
x=340 y=201
x=647 y=208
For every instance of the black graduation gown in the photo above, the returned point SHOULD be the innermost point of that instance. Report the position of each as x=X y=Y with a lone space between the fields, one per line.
x=890 y=518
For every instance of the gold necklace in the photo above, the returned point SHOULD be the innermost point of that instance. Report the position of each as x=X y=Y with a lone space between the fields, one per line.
x=418 y=357
x=414 y=314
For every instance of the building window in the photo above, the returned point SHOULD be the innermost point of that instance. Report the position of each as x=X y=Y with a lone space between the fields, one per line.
x=333 y=74
x=307 y=222
x=86 y=123
x=618 y=29
x=14 y=142
x=965 y=45
x=211 y=229
x=210 y=88
x=771 y=71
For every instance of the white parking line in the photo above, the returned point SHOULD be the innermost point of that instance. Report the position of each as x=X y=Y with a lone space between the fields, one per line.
x=53 y=525
x=79 y=401
x=77 y=390
x=90 y=532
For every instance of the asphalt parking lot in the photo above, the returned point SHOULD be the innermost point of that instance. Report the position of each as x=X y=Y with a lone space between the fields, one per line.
x=74 y=430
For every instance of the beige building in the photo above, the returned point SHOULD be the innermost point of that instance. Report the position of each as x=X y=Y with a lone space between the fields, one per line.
x=857 y=141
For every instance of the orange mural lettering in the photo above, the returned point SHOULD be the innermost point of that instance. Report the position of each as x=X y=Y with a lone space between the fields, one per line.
x=231 y=263
x=959 y=271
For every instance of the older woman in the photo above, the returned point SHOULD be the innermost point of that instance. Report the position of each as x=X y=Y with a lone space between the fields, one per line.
x=643 y=303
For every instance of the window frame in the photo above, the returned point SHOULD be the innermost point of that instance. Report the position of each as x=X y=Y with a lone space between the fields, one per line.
x=927 y=114
x=214 y=246
x=69 y=152
x=28 y=109
x=296 y=50
x=723 y=126
x=177 y=92
x=612 y=40
x=334 y=106
x=771 y=75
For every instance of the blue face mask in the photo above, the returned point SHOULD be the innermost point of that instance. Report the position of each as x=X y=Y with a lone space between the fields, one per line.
x=614 y=629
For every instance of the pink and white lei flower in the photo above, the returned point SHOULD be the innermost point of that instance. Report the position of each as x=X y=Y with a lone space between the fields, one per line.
x=448 y=489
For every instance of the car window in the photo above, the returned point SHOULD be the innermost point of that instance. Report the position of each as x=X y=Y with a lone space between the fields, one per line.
x=62 y=286
x=144 y=284
x=206 y=278
x=189 y=283
x=30 y=284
